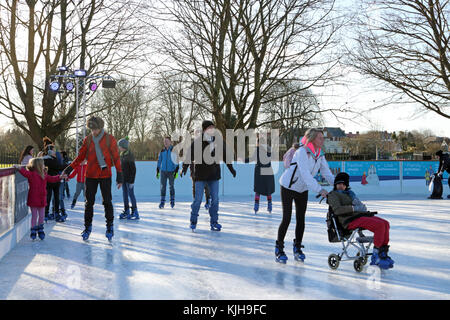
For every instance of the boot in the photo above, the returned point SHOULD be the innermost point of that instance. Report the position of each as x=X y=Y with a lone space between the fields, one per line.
x=63 y=215
x=73 y=204
x=383 y=253
x=216 y=226
x=109 y=232
x=86 y=233
x=134 y=214
x=33 y=232
x=172 y=202
x=40 y=230
x=280 y=256
x=256 y=207
x=298 y=253
x=161 y=205
x=125 y=214
x=269 y=206
x=377 y=260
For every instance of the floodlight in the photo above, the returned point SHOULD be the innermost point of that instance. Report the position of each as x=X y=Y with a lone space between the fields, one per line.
x=69 y=86
x=93 y=86
x=80 y=73
x=54 y=86
x=62 y=68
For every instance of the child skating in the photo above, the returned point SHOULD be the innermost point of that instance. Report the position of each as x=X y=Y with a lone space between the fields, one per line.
x=37 y=193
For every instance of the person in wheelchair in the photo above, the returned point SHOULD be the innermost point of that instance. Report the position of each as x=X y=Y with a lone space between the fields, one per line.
x=352 y=214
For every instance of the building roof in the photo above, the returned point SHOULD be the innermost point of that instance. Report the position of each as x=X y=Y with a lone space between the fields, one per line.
x=334 y=132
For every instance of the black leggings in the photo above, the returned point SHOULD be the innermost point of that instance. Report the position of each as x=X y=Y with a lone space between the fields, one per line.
x=300 y=199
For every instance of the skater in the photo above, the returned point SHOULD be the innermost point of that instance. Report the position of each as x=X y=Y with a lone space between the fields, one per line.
x=26 y=156
x=53 y=188
x=353 y=214
x=100 y=150
x=37 y=193
x=444 y=165
x=80 y=172
x=264 y=181
x=167 y=169
x=129 y=175
x=295 y=183
x=206 y=173
x=66 y=161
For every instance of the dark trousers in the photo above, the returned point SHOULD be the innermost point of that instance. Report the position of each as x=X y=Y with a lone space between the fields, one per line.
x=52 y=188
x=207 y=192
x=91 y=190
x=301 y=200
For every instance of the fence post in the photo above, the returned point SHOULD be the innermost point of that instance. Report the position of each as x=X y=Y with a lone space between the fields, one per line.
x=401 y=175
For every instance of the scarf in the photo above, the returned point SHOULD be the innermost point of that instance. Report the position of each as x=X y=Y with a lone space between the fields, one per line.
x=98 y=149
x=310 y=147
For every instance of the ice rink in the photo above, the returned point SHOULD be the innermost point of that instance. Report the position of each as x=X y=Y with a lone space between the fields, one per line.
x=158 y=257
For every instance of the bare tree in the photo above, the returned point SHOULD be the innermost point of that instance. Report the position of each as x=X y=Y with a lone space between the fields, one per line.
x=405 y=45
x=38 y=36
x=237 y=50
x=176 y=106
x=292 y=111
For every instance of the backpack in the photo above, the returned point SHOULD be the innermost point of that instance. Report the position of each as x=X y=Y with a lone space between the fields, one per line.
x=108 y=144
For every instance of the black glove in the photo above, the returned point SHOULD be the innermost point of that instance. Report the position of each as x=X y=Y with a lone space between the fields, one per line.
x=119 y=178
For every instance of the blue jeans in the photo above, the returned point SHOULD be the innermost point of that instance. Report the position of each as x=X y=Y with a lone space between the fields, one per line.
x=167 y=175
x=128 y=191
x=214 y=208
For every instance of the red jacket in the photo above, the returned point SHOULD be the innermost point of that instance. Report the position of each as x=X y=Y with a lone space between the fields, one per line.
x=37 y=193
x=80 y=172
x=112 y=157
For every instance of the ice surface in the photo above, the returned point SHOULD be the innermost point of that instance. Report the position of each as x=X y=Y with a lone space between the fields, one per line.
x=159 y=257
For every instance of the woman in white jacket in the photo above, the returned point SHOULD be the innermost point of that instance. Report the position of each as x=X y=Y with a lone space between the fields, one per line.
x=295 y=183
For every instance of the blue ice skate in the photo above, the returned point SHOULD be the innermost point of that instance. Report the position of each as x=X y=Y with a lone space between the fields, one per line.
x=280 y=256
x=41 y=233
x=109 y=232
x=33 y=232
x=298 y=253
x=269 y=206
x=256 y=207
x=86 y=233
x=216 y=226
x=377 y=260
x=134 y=214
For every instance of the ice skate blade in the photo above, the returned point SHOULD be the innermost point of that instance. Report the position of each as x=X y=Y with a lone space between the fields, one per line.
x=280 y=261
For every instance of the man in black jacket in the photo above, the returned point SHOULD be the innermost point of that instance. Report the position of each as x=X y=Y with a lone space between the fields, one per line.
x=207 y=171
x=129 y=175
x=54 y=168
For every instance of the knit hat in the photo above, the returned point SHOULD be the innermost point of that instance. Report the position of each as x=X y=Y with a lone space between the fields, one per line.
x=206 y=124
x=439 y=153
x=342 y=177
x=95 y=123
x=124 y=143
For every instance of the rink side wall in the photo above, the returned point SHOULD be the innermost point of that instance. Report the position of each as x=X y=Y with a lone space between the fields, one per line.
x=14 y=218
x=395 y=177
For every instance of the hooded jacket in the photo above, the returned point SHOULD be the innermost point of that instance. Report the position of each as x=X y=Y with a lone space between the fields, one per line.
x=37 y=192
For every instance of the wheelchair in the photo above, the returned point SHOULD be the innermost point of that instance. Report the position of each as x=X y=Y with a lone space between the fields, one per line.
x=349 y=239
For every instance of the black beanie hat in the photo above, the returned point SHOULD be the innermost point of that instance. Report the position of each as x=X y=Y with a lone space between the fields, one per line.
x=206 y=124
x=439 y=153
x=342 y=177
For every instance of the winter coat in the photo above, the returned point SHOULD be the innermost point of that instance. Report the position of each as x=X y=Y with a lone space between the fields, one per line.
x=128 y=166
x=204 y=171
x=444 y=163
x=165 y=161
x=80 y=172
x=53 y=165
x=37 y=193
x=305 y=165
x=342 y=205
x=26 y=159
x=110 y=153
x=263 y=184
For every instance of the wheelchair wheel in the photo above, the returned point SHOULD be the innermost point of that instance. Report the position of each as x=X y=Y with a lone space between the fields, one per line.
x=363 y=259
x=358 y=264
x=333 y=261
